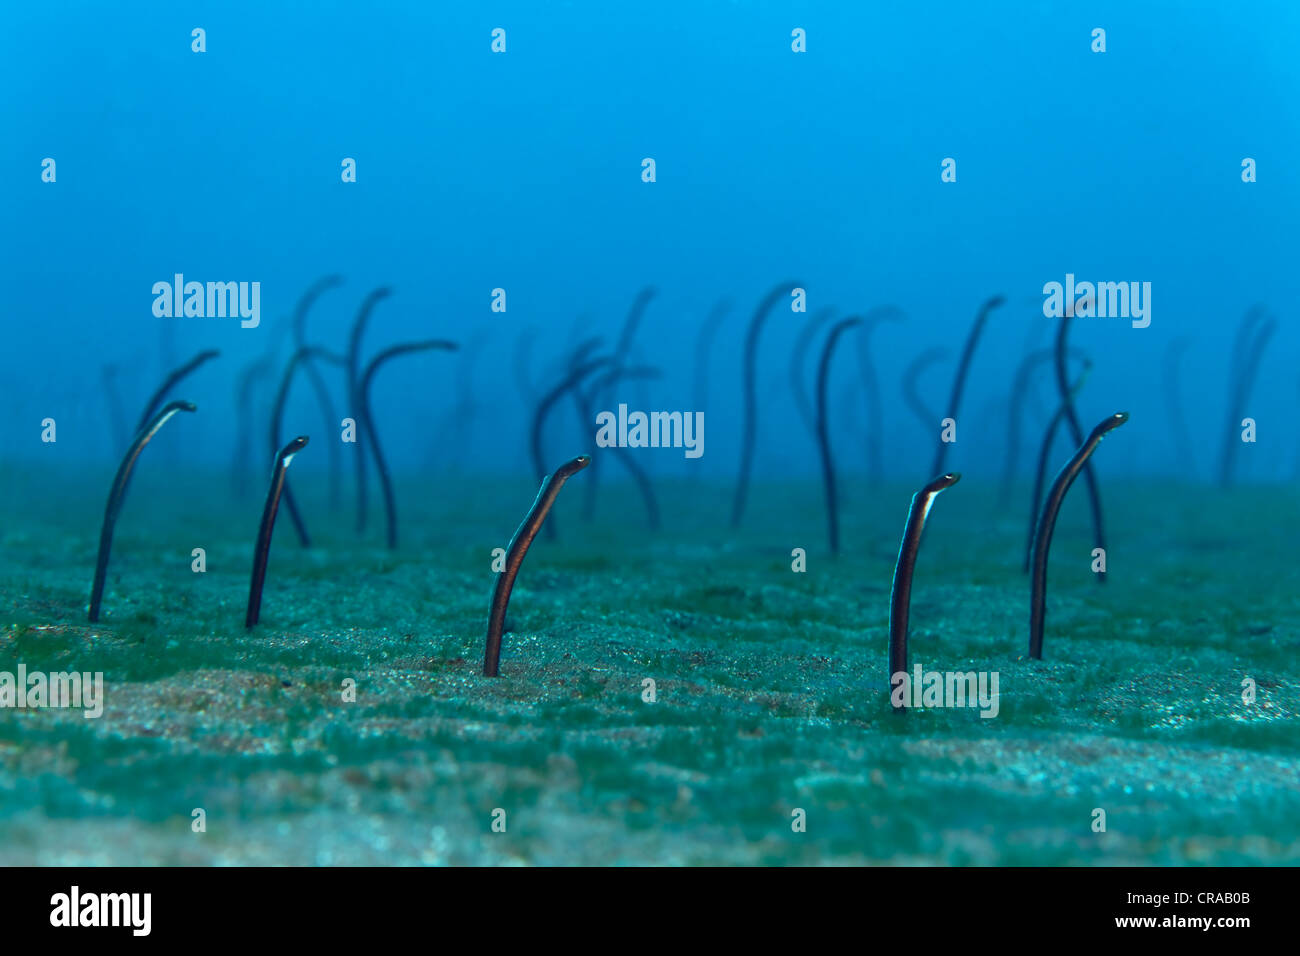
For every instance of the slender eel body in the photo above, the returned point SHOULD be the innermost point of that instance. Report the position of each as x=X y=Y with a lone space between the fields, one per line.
x=750 y=386
x=515 y=553
x=798 y=355
x=263 y=549
x=1247 y=369
x=368 y=421
x=277 y=416
x=577 y=373
x=524 y=349
x=900 y=598
x=155 y=402
x=871 y=383
x=632 y=321
x=1036 y=498
x=318 y=385
x=622 y=352
x=1047 y=523
x=1016 y=403
x=118 y=491
x=963 y=368
x=1044 y=453
x=625 y=457
x=247 y=381
x=1076 y=434
x=708 y=331
x=1240 y=349
x=911 y=379
x=354 y=394
x=582 y=401
x=823 y=429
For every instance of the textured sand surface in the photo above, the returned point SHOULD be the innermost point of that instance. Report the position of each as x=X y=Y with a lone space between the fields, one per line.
x=771 y=685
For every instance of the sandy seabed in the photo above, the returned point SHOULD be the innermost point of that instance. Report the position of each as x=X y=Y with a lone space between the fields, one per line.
x=770 y=686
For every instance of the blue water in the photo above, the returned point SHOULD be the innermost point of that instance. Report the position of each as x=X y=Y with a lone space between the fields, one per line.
x=522 y=171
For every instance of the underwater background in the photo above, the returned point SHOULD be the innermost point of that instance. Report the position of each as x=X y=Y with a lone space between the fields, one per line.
x=487 y=164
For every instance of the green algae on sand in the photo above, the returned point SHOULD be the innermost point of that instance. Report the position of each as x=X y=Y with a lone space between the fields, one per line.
x=770 y=686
